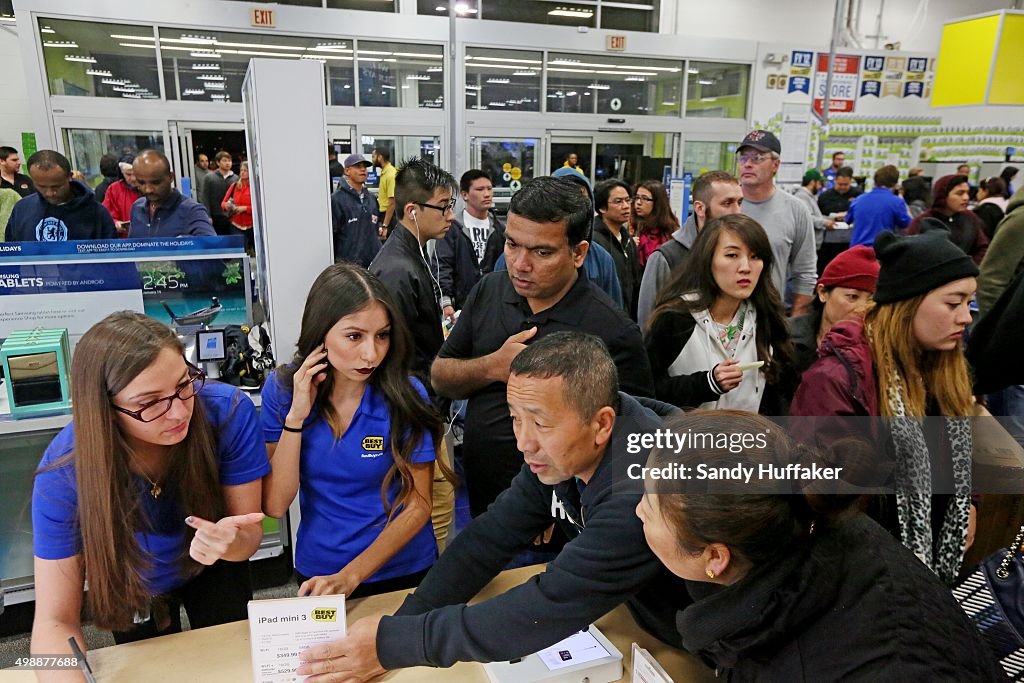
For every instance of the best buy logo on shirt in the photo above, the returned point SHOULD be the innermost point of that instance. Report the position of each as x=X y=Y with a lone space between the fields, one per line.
x=325 y=614
x=373 y=443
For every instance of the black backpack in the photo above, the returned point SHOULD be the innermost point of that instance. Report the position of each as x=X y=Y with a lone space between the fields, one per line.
x=674 y=252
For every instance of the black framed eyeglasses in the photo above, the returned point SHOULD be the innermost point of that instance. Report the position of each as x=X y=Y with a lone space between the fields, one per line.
x=154 y=410
x=445 y=208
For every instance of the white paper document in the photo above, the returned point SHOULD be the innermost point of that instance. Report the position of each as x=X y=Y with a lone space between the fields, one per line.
x=646 y=668
x=576 y=649
x=280 y=629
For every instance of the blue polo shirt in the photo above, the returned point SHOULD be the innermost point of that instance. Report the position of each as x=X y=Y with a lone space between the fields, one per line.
x=241 y=458
x=873 y=212
x=340 y=482
x=179 y=215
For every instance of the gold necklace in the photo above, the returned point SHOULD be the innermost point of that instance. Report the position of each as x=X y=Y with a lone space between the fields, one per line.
x=155 y=489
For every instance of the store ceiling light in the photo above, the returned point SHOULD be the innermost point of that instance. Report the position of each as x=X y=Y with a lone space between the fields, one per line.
x=131 y=96
x=435 y=69
x=210 y=77
x=570 y=12
x=114 y=81
x=503 y=59
x=213 y=86
x=637 y=79
x=495 y=104
x=705 y=81
x=417 y=77
x=669 y=104
x=80 y=58
x=46 y=29
x=525 y=73
x=693 y=72
x=70 y=44
x=599 y=86
x=473 y=87
x=206 y=67
x=122 y=88
x=191 y=92
x=498 y=81
x=203 y=54
x=121 y=36
x=195 y=39
x=138 y=45
x=98 y=72
x=388 y=87
x=571 y=93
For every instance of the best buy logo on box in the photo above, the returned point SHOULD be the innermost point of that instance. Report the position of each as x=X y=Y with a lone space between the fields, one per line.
x=325 y=614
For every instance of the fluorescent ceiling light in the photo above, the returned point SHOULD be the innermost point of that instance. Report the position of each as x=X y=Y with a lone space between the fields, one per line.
x=206 y=67
x=122 y=88
x=417 y=77
x=473 y=87
x=435 y=69
x=114 y=81
x=131 y=96
x=406 y=54
x=98 y=72
x=45 y=29
x=137 y=45
x=497 y=81
x=571 y=93
x=636 y=78
x=599 y=86
x=705 y=81
x=374 y=52
x=60 y=43
x=121 y=36
x=210 y=77
x=202 y=54
x=574 y=13
x=504 y=59
x=495 y=104
x=198 y=40
x=79 y=58
x=213 y=86
x=525 y=73
x=388 y=87
x=693 y=72
x=669 y=104
x=188 y=92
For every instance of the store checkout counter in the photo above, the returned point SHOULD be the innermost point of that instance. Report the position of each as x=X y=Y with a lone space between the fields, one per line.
x=221 y=653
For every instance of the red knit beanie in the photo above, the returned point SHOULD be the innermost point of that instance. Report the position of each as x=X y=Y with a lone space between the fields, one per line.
x=856 y=268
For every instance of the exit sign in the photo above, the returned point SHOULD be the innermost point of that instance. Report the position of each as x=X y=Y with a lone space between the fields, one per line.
x=616 y=43
x=263 y=17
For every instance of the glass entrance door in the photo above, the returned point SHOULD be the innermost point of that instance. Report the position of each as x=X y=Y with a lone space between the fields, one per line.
x=632 y=157
x=509 y=162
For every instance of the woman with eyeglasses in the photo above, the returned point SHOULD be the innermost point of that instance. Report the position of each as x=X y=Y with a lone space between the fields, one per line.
x=355 y=436
x=652 y=218
x=152 y=493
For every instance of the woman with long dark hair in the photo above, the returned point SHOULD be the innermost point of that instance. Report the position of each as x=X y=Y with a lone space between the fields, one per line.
x=718 y=317
x=790 y=583
x=152 y=493
x=347 y=426
x=652 y=218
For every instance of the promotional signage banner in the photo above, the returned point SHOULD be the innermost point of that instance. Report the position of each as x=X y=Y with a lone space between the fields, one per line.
x=845 y=79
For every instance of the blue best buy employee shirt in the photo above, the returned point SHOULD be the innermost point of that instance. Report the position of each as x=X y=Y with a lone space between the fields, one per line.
x=241 y=456
x=339 y=485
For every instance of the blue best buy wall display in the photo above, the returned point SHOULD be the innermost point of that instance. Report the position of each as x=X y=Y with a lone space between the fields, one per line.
x=74 y=284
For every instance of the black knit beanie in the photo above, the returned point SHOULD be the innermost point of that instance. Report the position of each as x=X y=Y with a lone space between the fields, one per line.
x=917 y=264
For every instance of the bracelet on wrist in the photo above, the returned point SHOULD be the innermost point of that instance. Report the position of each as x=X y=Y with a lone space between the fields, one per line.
x=293 y=430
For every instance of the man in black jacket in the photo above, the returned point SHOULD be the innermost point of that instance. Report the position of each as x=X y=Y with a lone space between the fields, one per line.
x=215 y=186
x=461 y=254
x=611 y=230
x=573 y=427
x=424 y=196
x=354 y=215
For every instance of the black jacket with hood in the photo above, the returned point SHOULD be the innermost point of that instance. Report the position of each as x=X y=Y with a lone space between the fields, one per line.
x=457 y=267
x=852 y=605
x=605 y=563
x=82 y=218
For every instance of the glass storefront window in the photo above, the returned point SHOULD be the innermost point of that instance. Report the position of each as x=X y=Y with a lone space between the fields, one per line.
x=631 y=16
x=555 y=13
x=92 y=59
x=613 y=85
x=469 y=9
x=365 y=5
x=85 y=146
x=509 y=163
x=717 y=90
x=400 y=75
x=209 y=66
x=400 y=148
x=701 y=157
x=503 y=80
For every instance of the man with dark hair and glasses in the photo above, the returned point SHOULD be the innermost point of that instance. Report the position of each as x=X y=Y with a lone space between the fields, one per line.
x=425 y=204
